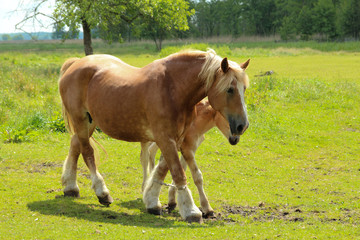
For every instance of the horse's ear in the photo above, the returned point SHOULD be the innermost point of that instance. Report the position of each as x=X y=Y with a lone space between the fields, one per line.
x=224 y=65
x=244 y=65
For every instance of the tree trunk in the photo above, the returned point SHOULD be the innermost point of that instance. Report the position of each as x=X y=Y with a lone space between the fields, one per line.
x=87 y=37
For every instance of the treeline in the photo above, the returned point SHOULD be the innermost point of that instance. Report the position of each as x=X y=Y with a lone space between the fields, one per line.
x=291 y=19
x=325 y=20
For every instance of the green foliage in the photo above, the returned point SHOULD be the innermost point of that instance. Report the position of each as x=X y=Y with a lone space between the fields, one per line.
x=288 y=29
x=351 y=18
x=325 y=19
x=156 y=17
x=56 y=123
x=164 y=16
x=305 y=23
x=5 y=37
x=18 y=37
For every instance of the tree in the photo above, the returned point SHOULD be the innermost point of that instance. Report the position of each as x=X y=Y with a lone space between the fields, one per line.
x=351 y=19
x=261 y=15
x=18 y=37
x=90 y=14
x=324 y=20
x=207 y=17
x=288 y=29
x=6 y=37
x=305 y=23
x=164 y=16
x=59 y=32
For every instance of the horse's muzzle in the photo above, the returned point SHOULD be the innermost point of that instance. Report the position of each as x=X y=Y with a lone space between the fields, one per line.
x=238 y=126
x=234 y=139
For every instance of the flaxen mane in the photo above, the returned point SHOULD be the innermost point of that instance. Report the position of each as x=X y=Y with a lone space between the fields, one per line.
x=211 y=68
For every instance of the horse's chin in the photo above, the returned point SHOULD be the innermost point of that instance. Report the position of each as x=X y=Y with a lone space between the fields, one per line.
x=234 y=139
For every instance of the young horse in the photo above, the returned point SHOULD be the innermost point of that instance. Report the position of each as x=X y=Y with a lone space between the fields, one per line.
x=206 y=118
x=154 y=103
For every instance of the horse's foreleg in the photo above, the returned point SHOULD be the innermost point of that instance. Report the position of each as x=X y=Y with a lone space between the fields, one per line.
x=68 y=177
x=198 y=180
x=188 y=210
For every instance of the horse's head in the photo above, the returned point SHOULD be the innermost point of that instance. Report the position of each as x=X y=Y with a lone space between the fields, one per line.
x=226 y=95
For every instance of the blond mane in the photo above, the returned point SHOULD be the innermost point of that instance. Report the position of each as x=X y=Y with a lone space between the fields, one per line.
x=211 y=68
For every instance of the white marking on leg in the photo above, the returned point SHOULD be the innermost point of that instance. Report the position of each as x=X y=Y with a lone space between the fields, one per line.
x=152 y=187
x=187 y=207
x=98 y=184
x=68 y=177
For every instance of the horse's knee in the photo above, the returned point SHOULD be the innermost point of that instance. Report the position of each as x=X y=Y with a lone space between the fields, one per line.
x=198 y=178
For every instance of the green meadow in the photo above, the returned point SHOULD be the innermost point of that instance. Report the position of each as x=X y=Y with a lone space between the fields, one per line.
x=293 y=175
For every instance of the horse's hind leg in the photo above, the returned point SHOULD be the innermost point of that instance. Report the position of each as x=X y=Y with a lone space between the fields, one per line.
x=153 y=186
x=172 y=189
x=83 y=130
x=145 y=161
x=68 y=177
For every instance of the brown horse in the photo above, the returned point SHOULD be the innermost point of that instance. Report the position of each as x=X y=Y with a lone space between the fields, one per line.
x=154 y=103
x=206 y=118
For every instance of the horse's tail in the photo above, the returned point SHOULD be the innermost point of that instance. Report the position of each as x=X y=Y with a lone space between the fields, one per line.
x=67 y=120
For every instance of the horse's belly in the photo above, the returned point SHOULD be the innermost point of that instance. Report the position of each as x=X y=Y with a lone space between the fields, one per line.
x=130 y=136
x=128 y=133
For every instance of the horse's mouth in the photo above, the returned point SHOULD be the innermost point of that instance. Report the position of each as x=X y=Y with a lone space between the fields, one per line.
x=234 y=139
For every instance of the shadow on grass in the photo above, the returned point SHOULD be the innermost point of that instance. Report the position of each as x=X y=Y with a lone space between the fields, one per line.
x=66 y=206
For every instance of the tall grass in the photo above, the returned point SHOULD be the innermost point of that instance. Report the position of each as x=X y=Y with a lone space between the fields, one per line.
x=29 y=99
x=148 y=47
x=30 y=103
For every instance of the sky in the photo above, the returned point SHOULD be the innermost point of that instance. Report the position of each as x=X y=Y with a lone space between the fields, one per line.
x=10 y=15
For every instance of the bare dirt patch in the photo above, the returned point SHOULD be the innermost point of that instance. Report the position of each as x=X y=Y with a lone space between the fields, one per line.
x=266 y=213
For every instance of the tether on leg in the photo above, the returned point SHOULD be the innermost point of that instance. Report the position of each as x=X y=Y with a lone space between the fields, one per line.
x=152 y=188
x=172 y=189
x=187 y=208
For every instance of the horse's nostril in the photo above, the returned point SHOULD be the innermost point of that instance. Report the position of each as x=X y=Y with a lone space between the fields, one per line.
x=240 y=128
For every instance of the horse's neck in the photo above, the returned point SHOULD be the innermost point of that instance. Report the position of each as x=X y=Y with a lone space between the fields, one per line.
x=205 y=119
x=189 y=88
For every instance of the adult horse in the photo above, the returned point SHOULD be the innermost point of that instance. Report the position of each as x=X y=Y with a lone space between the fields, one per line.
x=154 y=103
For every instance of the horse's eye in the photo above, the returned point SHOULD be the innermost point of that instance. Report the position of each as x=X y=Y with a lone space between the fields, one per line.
x=230 y=90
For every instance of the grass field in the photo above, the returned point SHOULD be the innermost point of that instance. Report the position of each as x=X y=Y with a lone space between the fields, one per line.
x=293 y=175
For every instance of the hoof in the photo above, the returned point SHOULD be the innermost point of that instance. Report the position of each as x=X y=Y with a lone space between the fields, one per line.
x=170 y=207
x=196 y=219
x=72 y=193
x=107 y=200
x=209 y=214
x=154 y=211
